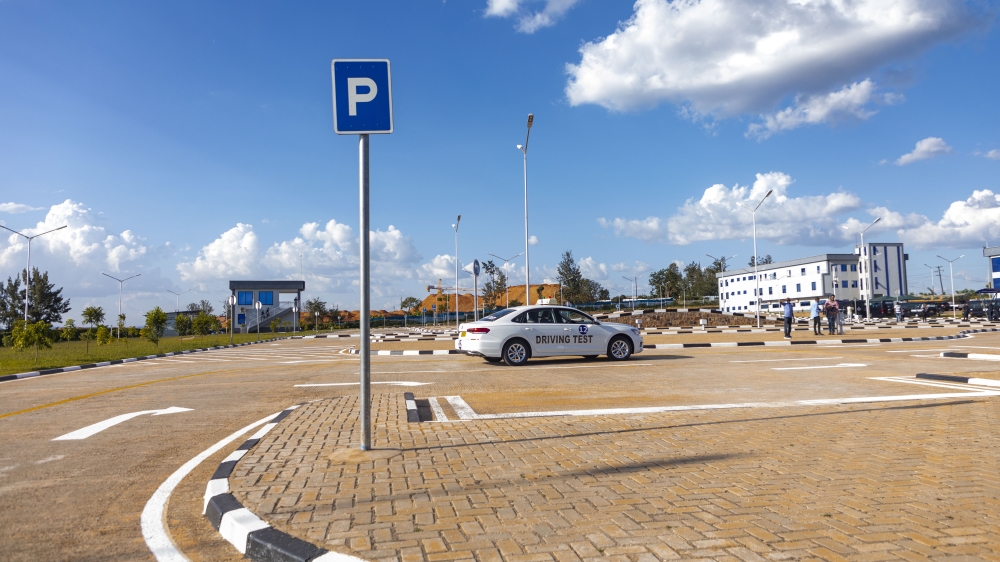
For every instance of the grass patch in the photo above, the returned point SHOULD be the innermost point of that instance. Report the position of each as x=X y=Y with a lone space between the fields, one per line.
x=67 y=354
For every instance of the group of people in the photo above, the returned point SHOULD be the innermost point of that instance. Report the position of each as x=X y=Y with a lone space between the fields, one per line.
x=829 y=308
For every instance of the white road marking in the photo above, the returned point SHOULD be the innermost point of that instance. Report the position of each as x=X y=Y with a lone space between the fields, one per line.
x=50 y=459
x=465 y=412
x=436 y=408
x=153 y=528
x=794 y=359
x=396 y=383
x=536 y=367
x=913 y=350
x=96 y=428
x=837 y=366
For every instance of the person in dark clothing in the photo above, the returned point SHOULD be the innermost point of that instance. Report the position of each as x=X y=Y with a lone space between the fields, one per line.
x=831 y=309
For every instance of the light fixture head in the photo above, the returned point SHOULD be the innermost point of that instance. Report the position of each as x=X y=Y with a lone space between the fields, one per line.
x=531 y=118
x=768 y=194
x=520 y=147
x=459 y=219
x=877 y=219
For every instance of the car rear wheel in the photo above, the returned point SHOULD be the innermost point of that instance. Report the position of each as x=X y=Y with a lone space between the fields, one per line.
x=516 y=352
x=620 y=348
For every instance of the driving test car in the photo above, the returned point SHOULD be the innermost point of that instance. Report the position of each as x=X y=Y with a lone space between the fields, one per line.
x=514 y=335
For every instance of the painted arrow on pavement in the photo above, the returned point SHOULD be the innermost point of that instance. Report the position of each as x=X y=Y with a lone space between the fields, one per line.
x=101 y=426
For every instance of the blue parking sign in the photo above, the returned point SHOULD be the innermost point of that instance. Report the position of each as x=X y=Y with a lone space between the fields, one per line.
x=362 y=96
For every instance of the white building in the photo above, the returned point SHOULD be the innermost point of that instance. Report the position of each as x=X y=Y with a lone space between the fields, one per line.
x=801 y=280
x=883 y=269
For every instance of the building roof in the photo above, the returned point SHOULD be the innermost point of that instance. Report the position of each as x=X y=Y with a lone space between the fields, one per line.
x=792 y=263
x=268 y=285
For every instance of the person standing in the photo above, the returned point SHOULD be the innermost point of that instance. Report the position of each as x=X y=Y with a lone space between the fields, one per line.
x=898 y=309
x=965 y=312
x=788 y=313
x=832 y=309
x=814 y=317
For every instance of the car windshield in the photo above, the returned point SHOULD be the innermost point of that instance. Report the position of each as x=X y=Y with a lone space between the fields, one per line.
x=498 y=314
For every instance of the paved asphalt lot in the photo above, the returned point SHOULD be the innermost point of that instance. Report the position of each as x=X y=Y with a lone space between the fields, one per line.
x=82 y=499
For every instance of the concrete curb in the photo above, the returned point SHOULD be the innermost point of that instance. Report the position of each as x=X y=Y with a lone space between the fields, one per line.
x=960 y=335
x=979 y=356
x=252 y=536
x=410 y=352
x=58 y=370
x=954 y=378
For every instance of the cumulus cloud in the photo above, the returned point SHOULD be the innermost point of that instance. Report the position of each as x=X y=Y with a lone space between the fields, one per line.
x=992 y=154
x=530 y=21
x=927 y=148
x=851 y=102
x=970 y=223
x=533 y=240
x=327 y=255
x=717 y=215
x=592 y=269
x=721 y=58
x=15 y=208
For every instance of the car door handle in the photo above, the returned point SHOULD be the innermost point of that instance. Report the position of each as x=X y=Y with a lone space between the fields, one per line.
x=527 y=329
x=566 y=330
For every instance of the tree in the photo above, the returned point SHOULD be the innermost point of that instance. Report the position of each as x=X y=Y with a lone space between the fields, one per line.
x=46 y=303
x=761 y=260
x=202 y=305
x=540 y=289
x=103 y=335
x=274 y=325
x=575 y=287
x=35 y=334
x=410 y=304
x=11 y=302
x=69 y=331
x=121 y=324
x=667 y=281
x=316 y=305
x=204 y=323
x=495 y=287
x=156 y=323
x=92 y=315
x=182 y=324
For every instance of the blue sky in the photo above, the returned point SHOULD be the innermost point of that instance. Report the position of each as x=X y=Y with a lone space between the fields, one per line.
x=193 y=142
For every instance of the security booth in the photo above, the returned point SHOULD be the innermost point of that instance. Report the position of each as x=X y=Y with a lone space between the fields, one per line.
x=279 y=300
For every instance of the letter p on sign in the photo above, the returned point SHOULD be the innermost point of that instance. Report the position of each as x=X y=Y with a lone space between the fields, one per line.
x=362 y=97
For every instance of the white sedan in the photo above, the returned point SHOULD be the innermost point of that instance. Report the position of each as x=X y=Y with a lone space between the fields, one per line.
x=514 y=335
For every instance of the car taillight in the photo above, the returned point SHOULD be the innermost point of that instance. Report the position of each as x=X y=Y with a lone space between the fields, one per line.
x=479 y=330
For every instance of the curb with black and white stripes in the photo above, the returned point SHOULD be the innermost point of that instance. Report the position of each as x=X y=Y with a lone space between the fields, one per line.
x=409 y=352
x=956 y=378
x=251 y=535
x=121 y=361
x=779 y=343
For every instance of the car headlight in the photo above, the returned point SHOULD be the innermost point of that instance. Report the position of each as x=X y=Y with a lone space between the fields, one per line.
x=635 y=331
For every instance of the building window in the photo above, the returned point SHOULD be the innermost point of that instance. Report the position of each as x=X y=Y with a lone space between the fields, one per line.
x=803 y=271
x=854 y=267
x=817 y=269
x=798 y=287
x=770 y=290
x=244 y=298
x=877 y=284
x=843 y=267
x=843 y=284
x=876 y=267
x=813 y=285
x=266 y=297
x=784 y=289
x=241 y=319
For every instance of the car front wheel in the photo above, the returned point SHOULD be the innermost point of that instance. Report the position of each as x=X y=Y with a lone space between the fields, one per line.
x=516 y=352
x=620 y=348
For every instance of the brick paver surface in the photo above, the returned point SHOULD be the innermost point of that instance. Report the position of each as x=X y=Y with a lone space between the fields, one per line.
x=909 y=481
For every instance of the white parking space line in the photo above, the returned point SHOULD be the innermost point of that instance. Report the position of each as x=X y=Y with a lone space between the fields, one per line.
x=465 y=412
x=530 y=367
x=395 y=383
x=939 y=384
x=917 y=350
x=436 y=408
x=792 y=359
x=838 y=366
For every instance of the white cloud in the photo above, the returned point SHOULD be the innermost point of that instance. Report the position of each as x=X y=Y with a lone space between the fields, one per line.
x=591 y=269
x=15 y=208
x=992 y=154
x=235 y=254
x=970 y=223
x=533 y=240
x=717 y=215
x=926 y=148
x=721 y=58
x=851 y=102
x=530 y=21
x=442 y=266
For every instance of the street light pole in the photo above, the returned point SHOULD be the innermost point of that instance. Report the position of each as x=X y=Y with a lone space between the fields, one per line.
x=951 y=273
x=120 y=283
x=177 y=300
x=27 y=271
x=455 y=226
x=635 y=288
x=257 y=305
x=507 y=285
x=865 y=265
x=756 y=277
x=527 y=263
x=231 y=301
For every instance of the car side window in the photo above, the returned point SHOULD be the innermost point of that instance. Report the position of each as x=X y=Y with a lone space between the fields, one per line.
x=545 y=316
x=536 y=316
x=567 y=316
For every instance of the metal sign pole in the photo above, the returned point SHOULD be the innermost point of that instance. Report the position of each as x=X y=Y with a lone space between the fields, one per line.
x=366 y=426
